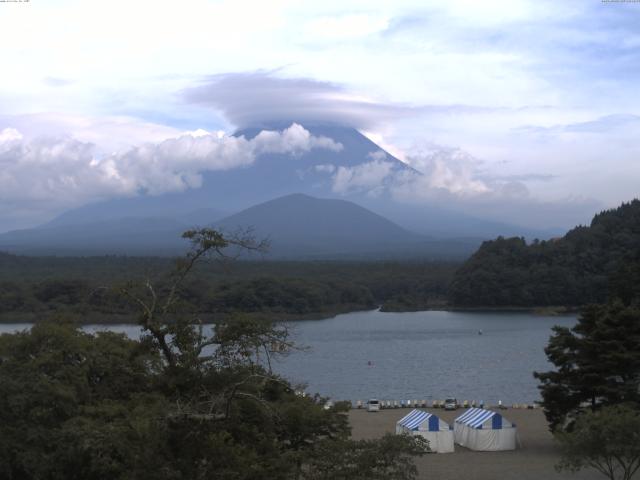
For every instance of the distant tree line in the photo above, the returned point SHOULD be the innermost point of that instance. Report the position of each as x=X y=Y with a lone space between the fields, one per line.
x=586 y=266
x=87 y=287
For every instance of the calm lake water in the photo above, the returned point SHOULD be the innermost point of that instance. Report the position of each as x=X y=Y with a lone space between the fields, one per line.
x=417 y=355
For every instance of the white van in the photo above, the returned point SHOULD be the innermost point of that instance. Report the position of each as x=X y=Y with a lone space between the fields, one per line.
x=451 y=404
x=373 y=405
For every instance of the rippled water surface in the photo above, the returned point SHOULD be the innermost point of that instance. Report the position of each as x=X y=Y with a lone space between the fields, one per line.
x=423 y=355
x=417 y=355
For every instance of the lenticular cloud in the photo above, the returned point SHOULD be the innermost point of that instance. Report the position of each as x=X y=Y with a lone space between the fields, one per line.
x=261 y=99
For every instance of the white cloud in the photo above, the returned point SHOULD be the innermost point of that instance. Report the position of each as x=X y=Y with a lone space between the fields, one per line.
x=489 y=12
x=346 y=26
x=9 y=135
x=449 y=169
x=49 y=173
x=295 y=139
x=325 y=168
x=452 y=178
x=48 y=170
x=436 y=170
x=366 y=177
x=109 y=133
x=379 y=155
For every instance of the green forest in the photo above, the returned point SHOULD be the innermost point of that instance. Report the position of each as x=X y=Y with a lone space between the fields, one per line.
x=587 y=265
x=87 y=288
x=583 y=267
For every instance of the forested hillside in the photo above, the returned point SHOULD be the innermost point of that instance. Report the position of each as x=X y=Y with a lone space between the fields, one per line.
x=581 y=267
x=86 y=289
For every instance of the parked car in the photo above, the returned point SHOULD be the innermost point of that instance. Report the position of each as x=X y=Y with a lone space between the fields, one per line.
x=451 y=404
x=373 y=405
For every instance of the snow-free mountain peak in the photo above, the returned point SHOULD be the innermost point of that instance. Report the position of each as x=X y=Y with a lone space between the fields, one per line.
x=358 y=171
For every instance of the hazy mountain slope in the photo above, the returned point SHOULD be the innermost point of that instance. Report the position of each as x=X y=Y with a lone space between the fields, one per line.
x=302 y=226
x=151 y=224
x=323 y=224
x=438 y=222
x=299 y=226
x=276 y=175
x=173 y=206
x=131 y=236
x=271 y=176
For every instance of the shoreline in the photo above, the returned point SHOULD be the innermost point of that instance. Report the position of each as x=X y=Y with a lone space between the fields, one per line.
x=543 y=310
x=129 y=319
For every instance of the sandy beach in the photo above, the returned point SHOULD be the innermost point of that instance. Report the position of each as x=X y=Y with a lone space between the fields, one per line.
x=534 y=460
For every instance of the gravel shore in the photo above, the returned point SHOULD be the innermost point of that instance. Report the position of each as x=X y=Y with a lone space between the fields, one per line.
x=534 y=460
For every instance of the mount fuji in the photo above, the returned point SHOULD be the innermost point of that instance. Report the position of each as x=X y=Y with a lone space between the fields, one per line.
x=148 y=224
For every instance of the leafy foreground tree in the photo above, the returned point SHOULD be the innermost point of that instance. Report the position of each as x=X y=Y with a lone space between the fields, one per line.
x=389 y=457
x=184 y=402
x=607 y=440
x=597 y=364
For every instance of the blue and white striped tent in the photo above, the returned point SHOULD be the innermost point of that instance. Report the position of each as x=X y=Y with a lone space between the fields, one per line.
x=485 y=430
x=476 y=417
x=436 y=431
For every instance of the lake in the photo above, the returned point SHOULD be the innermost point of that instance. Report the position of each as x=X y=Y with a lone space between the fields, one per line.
x=416 y=355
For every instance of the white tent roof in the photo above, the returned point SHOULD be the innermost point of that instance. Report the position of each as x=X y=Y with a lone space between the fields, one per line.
x=476 y=418
x=416 y=418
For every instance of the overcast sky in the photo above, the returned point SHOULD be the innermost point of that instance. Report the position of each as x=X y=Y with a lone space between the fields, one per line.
x=540 y=96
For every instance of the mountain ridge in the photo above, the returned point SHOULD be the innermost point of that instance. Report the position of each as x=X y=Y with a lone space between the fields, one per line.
x=299 y=226
x=311 y=226
x=271 y=176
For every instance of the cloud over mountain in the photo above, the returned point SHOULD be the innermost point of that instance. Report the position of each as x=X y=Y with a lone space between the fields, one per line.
x=437 y=172
x=369 y=177
x=452 y=179
x=54 y=172
x=262 y=99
